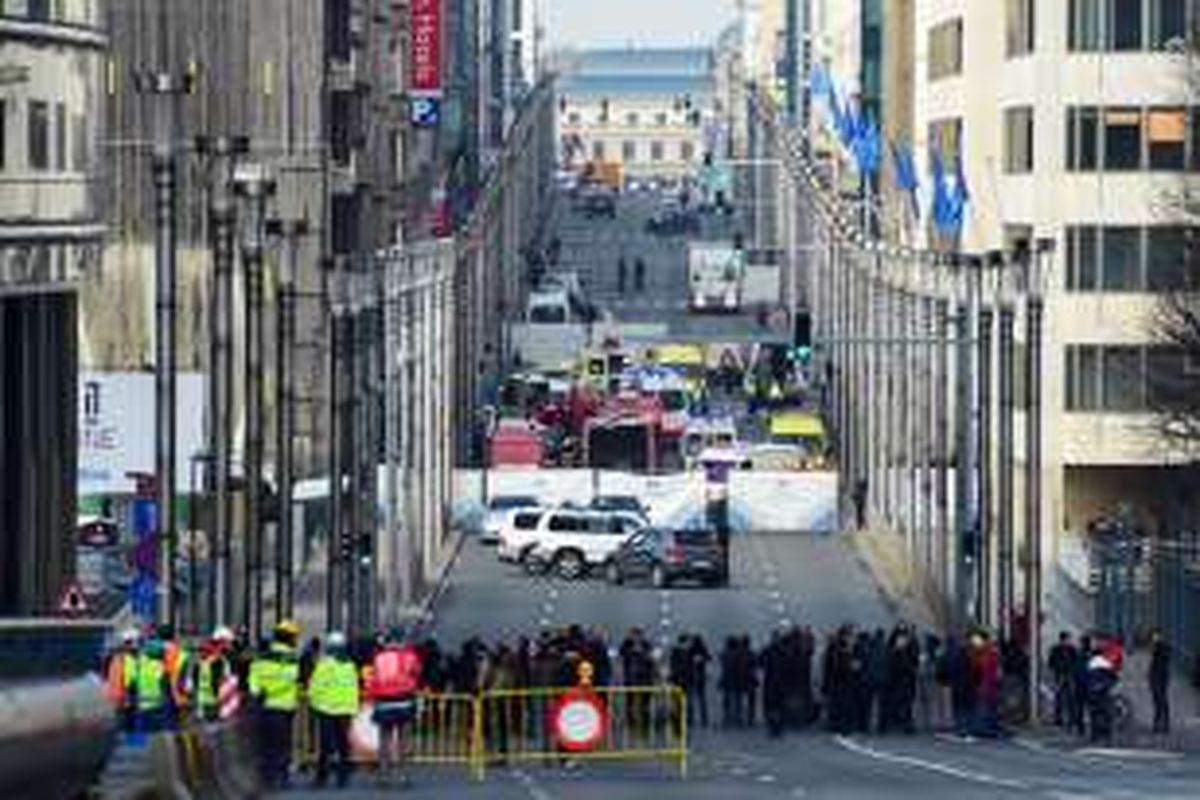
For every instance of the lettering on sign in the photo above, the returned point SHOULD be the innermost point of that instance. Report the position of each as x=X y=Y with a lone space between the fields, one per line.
x=425 y=27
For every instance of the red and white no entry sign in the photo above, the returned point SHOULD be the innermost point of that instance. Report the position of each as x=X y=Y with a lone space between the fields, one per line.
x=580 y=720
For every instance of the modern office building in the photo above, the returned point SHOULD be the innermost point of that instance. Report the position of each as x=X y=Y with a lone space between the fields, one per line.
x=650 y=110
x=51 y=58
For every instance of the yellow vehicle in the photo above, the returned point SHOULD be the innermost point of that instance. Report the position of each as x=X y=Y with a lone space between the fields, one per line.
x=805 y=430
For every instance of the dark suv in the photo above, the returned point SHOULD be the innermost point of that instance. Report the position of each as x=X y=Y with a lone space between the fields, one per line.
x=666 y=556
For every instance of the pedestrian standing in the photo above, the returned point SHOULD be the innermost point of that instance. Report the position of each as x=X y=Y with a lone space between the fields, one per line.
x=859 y=497
x=956 y=674
x=771 y=661
x=1101 y=678
x=985 y=678
x=729 y=684
x=1159 y=678
x=637 y=670
x=639 y=275
x=698 y=657
x=275 y=686
x=874 y=696
x=1077 y=721
x=1061 y=664
x=395 y=681
x=929 y=717
x=122 y=662
x=903 y=659
x=621 y=275
x=333 y=693
x=147 y=688
x=213 y=670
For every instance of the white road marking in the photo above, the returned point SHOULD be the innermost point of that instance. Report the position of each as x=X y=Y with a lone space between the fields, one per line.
x=544 y=622
x=929 y=766
x=1130 y=753
x=766 y=778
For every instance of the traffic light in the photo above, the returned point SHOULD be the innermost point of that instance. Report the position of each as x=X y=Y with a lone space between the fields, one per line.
x=802 y=337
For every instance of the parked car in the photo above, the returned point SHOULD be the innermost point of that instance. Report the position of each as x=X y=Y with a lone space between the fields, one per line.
x=599 y=203
x=626 y=503
x=664 y=557
x=571 y=541
x=517 y=534
x=498 y=509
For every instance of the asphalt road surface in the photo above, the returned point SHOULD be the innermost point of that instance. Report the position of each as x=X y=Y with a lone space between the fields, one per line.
x=812 y=579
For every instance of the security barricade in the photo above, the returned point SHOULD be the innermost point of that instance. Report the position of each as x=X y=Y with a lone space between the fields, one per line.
x=617 y=723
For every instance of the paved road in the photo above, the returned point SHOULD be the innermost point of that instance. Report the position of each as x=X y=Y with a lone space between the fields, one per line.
x=814 y=579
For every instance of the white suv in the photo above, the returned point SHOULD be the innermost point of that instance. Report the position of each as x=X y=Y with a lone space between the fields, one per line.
x=517 y=533
x=572 y=540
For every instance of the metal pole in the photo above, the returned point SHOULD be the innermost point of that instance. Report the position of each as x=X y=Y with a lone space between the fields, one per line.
x=164 y=368
x=252 y=591
x=925 y=434
x=983 y=444
x=910 y=366
x=406 y=428
x=391 y=425
x=223 y=223
x=941 y=384
x=333 y=587
x=285 y=411
x=964 y=460
x=1005 y=467
x=1033 y=479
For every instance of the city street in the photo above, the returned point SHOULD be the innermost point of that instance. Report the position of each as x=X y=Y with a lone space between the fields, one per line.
x=777 y=579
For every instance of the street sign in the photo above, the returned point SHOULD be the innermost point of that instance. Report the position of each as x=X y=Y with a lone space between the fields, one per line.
x=426 y=112
x=72 y=601
x=580 y=720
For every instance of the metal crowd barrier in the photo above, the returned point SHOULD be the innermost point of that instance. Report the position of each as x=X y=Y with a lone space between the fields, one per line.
x=475 y=731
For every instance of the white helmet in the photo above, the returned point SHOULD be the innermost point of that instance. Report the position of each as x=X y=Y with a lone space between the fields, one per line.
x=222 y=633
x=335 y=639
x=130 y=636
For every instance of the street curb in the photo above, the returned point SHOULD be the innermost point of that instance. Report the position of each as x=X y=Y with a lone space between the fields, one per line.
x=426 y=612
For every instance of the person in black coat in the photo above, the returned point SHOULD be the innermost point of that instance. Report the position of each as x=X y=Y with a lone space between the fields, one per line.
x=747 y=670
x=772 y=661
x=873 y=700
x=904 y=657
x=698 y=657
x=954 y=671
x=1159 y=678
x=1079 y=686
x=729 y=684
x=1061 y=663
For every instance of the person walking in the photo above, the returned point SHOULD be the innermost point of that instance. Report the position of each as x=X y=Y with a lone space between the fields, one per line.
x=333 y=694
x=274 y=683
x=1159 y=678
x=393 y=686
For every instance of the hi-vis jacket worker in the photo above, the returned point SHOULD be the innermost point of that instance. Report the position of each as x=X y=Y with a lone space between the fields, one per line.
x=214 y=678
x=147 y=688
x=333 y=694
x=122 y=662
x=275 y=686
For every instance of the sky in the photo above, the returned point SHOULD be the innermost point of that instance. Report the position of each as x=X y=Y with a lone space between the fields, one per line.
x=584 y=23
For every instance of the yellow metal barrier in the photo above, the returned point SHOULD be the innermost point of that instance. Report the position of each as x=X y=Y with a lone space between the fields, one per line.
x=643 y=724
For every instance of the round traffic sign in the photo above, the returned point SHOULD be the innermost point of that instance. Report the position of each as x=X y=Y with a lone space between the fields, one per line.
x=580 y=720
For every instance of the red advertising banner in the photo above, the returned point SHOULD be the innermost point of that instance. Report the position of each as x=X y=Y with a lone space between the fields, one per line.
x=425 y=73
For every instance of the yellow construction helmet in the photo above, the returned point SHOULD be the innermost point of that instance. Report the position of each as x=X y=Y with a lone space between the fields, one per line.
x=288 y=628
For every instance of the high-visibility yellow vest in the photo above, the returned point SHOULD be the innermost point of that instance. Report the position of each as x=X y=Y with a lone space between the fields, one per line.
x=146 y=679
x=275 y=679
x=333 y=688
x=206 y=690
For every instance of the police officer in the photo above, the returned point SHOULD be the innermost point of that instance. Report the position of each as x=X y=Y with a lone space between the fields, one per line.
x=147 y=688
x=275 y=686
x=333 y=694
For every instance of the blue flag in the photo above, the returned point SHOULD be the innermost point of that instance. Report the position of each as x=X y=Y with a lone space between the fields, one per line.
x=949 y=202
x=906 y=174
x=866 y=145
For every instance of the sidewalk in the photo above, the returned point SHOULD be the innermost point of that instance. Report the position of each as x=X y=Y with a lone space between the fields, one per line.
x=882 y=554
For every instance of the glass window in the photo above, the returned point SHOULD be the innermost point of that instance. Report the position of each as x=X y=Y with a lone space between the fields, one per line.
x=567 y=523
x=631 y=119
x=1018 y=139
x=1165 y=133
x=946 y=49
x=573 y=118
x=1168 y=22
x=945 y=136
x=1167 y=382
x=687 y=151
x=79 y=148
x=1083 y=24
x=598 y=151
x=1019 y=28
x=1125 y=24
x=1123 y=383
x=1166 y=257
x=628 y=151
x=1121 y=259
x=1082 y=133
x=1122 y=138
x=1083 y=377
x=39 y=135
x=656 y=151
x=660 y=118
x=1082 y=260
x=1194 y=159
x=60 y=136
x=3 y=133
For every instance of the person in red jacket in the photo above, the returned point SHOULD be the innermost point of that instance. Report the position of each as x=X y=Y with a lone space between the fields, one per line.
x=985 y=675
x=393 y=685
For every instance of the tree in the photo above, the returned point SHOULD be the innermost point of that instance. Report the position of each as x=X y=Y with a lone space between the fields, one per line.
x=1174 y=381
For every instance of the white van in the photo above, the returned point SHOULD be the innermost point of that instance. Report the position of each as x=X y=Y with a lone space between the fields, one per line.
x=572 y=540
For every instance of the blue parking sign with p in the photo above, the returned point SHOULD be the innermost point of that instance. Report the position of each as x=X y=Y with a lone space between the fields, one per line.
x=426 y=112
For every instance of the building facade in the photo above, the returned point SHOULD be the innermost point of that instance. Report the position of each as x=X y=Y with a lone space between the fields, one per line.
x=650 y=110
x=51 y=59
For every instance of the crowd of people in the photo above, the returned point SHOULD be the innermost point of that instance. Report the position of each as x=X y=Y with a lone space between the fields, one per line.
x=856 y=680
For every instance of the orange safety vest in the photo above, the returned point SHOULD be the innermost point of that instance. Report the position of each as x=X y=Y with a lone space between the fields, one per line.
x=114 y=679
x=174 y=661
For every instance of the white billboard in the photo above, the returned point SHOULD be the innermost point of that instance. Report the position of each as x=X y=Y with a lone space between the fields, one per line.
x=116 y=429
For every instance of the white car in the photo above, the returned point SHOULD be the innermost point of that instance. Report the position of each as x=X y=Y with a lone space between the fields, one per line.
x=517 y=534
x=572 y=540
x=498 y=510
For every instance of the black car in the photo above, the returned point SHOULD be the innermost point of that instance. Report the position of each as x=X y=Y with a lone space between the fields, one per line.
x=665 y=557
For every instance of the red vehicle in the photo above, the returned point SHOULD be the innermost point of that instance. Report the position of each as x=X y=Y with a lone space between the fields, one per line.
x=516 y=443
